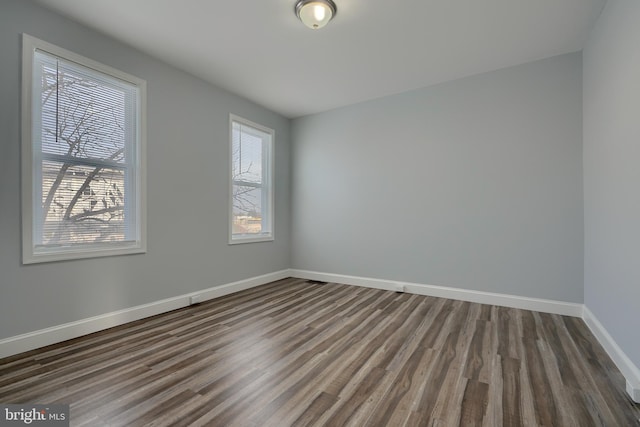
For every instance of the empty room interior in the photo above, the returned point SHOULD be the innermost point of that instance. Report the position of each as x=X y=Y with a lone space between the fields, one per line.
x=347 y=212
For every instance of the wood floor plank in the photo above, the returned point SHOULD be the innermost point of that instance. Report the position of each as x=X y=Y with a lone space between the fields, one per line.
x=299 y=353
x=314 y=411
x=494 y=414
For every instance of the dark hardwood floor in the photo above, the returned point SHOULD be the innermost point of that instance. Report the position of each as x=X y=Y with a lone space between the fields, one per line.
x=293 y=353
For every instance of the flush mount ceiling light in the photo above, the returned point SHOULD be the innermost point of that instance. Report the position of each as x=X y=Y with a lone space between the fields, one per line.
x=315 y=14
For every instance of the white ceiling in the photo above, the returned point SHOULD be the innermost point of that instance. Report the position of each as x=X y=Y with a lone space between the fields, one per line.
x=259 y=50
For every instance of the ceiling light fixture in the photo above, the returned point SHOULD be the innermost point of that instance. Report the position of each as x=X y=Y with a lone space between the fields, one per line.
x=315 y=14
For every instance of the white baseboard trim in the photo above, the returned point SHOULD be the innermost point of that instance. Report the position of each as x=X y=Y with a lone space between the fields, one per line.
x=514 y=301
x=622 y=361
x=43 y=337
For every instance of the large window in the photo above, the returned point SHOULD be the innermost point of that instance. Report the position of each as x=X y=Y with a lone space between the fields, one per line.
x=251 y=182
x=83 y=157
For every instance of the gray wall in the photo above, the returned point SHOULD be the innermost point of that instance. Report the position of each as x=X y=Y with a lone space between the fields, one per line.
x=187 y=189
x=612 y=174
x=475 y=184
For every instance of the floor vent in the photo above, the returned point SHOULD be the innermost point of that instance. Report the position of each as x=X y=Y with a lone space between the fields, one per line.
x=316 y=282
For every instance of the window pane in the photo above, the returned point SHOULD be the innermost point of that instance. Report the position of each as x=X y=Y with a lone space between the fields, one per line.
x=247 y=210
x=82 y=204
x=247 y=155
x=83 y=112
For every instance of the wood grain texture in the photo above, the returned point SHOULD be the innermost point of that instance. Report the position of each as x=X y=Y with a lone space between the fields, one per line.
x=295 y=353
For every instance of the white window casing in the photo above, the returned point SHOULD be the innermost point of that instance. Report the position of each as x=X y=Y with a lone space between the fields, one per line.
x=251 y=181
x=83 y=157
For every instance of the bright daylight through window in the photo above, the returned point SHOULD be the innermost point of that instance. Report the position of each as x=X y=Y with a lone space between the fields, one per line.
x=83 y=152
x=251 y=182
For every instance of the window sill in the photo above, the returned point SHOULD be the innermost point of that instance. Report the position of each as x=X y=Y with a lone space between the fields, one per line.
x=68 y=254
x=250 y=239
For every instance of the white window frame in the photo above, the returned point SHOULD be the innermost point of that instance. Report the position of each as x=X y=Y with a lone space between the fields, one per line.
x=267 y=184
x=29 y=157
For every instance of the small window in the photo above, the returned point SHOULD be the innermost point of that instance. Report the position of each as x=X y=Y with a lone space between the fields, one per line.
x=251 y=182
x=83 y=157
